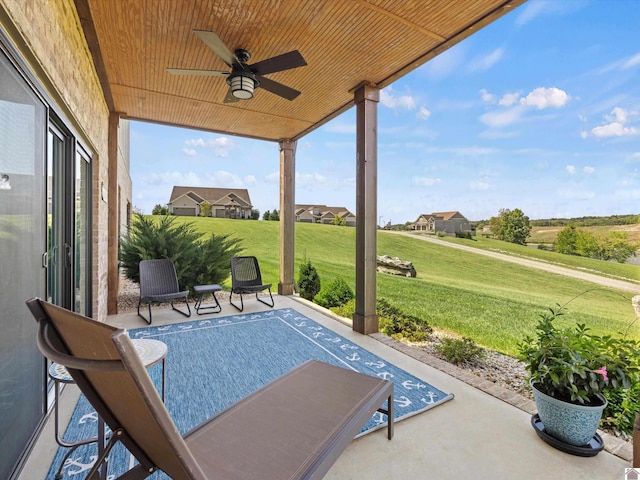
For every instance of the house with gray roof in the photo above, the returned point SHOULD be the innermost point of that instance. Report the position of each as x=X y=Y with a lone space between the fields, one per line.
x=323 y=214
x=225 y=202
x=449 y=223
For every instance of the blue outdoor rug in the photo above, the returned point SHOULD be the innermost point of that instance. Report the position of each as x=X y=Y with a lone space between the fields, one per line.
x=212 y=363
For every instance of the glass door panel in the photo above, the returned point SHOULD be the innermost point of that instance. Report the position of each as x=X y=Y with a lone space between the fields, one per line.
x=82 y=230
x=22 y=276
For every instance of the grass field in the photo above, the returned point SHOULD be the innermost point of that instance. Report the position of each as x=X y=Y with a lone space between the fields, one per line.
x=494 y=302
x=607 y=269
x=548 y=234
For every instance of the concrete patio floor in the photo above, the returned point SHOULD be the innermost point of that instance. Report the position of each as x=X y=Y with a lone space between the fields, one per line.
x=484 y=433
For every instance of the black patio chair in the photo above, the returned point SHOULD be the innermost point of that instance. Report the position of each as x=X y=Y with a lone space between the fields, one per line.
x=246 y=278
x=159 y=284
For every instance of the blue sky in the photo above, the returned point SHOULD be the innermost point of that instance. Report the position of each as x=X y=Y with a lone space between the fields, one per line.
x=538 y=111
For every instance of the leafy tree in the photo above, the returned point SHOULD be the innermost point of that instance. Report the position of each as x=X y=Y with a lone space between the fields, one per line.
x=573 y=241
x=587 y=245
x=275 y=216
x=338 y=221
x=197 y=261
x=160 y=210
x=266 y=215
x=255 y=214
x=566 y=241
x=512 y=226
x=617 y=248
x=308 y=280
x=205 y=209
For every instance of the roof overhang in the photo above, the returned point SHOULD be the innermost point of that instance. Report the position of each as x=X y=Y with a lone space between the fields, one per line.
x=345 y=44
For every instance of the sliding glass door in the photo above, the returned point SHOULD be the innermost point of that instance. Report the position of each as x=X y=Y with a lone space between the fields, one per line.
x=45 y=248
x=68 y=221
x=23 y=119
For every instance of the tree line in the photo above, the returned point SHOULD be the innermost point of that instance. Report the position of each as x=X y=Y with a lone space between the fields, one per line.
x=514 y=226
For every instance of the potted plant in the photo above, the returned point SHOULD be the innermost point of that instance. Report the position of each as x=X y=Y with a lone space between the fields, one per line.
x=570 y=370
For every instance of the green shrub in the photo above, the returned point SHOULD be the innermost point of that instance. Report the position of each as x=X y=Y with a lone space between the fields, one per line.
x=460 y=350
x=345 y=310
x=197 y=261
x=308 y=281
x=623 y=406
x=397 y=324
x=336 y=293
x=393 y=322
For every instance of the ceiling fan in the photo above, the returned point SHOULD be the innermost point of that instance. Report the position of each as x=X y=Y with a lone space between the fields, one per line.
x=243 y=78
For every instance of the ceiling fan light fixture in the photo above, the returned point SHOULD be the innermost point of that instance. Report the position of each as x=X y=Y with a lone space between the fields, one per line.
x=242 y=85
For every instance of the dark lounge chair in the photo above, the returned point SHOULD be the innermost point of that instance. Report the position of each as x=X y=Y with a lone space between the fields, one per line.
x=293 y=428
x=246 y=278
x=159 y=284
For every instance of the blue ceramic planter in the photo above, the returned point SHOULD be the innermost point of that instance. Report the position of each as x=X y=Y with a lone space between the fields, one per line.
x=573 y=424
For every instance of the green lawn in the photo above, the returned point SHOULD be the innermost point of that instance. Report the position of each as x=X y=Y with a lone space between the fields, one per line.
x=491 y=301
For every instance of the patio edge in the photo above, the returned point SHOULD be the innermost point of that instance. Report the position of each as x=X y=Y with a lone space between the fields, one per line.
x=613 y=444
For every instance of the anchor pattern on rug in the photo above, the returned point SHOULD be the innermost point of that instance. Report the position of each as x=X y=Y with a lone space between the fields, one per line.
x=351 y=355
x=411 y=394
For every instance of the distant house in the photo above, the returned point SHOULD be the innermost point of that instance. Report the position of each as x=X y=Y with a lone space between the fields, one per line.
x=225 y=202
x=323 y=214
x=448 y=222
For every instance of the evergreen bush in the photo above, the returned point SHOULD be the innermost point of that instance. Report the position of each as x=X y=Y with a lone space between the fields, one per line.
x=308 y=281
x=460 y=350
x=197 y=261
x=337 y=293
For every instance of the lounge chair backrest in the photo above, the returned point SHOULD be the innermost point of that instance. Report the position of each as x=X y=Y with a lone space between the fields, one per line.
x=158 y=277
x=245 y=272
x=106 y=367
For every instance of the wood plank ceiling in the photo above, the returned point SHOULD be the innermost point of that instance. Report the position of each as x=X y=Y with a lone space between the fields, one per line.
x=345 y=43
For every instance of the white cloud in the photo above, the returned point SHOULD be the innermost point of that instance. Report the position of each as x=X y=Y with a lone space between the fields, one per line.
x=309 y=179
x=618 y=115
x=501 y=118
x=425 y=181
x=402 y=102
x=589 y=170
x=571 y=169
x=614 y=130
x=546 y=98
x=250 y=180
x=509 y=99
x=634 y=158
x=631 y=62
x=481 y=64
x=616 y=126
x=220 y=145
x=222 y=178
x=486 y=96
x=423 y=113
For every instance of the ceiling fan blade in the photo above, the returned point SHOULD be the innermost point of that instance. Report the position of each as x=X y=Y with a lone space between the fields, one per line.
x=214 y=43
x=229 y=98
x=188 y=71
x=282 y=62
x=278 y=88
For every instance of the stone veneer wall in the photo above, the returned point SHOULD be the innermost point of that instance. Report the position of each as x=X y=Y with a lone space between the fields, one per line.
x=50 y=39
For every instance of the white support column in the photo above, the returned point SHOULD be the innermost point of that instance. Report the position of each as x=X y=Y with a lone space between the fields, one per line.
x=287 y=216
x=365 y=319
